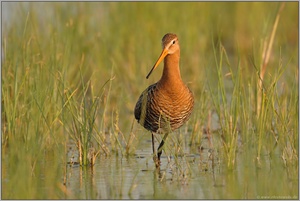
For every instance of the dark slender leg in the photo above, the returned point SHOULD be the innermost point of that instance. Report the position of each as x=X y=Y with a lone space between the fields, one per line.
x=159 y=150
x=153 y=144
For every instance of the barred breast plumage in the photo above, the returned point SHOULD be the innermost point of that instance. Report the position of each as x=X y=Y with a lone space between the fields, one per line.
x=164 y=112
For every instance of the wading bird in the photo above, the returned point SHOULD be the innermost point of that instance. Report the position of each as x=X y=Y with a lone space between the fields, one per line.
x=167 y=104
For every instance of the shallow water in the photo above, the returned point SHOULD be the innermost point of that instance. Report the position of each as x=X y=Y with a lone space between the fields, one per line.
x=194 y=176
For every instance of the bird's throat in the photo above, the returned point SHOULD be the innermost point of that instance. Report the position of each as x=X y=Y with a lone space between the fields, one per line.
x=171 y=72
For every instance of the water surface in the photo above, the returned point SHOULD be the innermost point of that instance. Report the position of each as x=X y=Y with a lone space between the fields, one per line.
x=200 y=175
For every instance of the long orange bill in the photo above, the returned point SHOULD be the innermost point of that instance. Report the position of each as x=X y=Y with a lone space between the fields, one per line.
x=161 y=57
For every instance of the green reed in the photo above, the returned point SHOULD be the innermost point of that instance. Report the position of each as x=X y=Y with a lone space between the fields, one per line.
x=30 y=120
x=227 y=104
x=248 y=109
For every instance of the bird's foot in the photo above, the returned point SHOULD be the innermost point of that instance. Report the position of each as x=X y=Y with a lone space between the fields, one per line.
x=156 y=161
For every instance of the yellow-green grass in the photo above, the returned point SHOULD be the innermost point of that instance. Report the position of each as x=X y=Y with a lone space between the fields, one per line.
x=73 y=73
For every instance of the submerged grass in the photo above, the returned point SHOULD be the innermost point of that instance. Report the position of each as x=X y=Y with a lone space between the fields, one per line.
x=74 y=75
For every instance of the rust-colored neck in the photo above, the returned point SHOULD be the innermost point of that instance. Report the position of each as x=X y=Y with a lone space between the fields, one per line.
x=171 y=72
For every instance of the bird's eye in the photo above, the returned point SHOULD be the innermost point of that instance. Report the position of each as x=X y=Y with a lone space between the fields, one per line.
x=173 y=42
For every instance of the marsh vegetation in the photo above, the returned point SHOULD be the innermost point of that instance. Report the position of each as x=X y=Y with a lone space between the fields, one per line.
x=72 y=73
